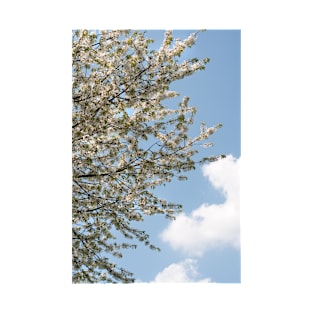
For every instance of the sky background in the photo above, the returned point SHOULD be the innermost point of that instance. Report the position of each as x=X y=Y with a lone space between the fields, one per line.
x=203 y=244
x=276 y=122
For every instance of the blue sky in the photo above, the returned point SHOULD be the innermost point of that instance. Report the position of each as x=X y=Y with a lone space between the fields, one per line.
x=208 y=216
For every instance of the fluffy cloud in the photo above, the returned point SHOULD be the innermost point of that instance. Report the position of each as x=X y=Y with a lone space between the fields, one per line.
x=182 y=272
x=210 y=225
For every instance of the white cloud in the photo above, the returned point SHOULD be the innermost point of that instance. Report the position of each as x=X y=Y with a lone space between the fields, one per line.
x=210 y=225
x=182 y=272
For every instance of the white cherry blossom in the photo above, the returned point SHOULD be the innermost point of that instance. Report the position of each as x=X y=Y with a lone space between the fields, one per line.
x=125 y=142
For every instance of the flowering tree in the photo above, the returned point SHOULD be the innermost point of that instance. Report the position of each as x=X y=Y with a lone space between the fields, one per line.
x=125 y=143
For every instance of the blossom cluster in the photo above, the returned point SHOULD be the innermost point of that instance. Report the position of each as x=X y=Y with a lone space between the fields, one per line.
x=125 y=142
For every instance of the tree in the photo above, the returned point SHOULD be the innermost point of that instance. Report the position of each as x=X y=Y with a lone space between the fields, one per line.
x=125 y=143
